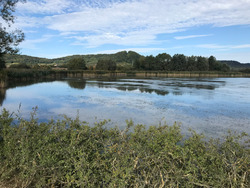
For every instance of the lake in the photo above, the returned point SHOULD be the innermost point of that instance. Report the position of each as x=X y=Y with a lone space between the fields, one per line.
x=207 y=105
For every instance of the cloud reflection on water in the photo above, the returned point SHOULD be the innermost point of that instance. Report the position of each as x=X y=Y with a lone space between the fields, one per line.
x=206 y=105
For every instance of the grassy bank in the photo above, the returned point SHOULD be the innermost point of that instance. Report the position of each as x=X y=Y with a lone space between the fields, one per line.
x=70 y=153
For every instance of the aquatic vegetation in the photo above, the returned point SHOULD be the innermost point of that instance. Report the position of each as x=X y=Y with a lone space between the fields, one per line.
x=71 y=153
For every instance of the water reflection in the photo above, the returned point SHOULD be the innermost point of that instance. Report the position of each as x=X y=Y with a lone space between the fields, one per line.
x=20 y=83
x=157 y=91
x=2 y=95
x=160 y=86
x=77 y=84
x=206 y=105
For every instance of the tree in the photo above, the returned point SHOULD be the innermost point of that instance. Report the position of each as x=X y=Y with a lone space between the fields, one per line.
x=163 y=61
x=149 y=63
x=139 y=63
x=133 y=56
x=192 y=63
x=215 y=65
x=224 y=67
x=106 y=64
x=76 y=64
x=9 y=40
x=212 y=63
x=179 y=62
x=202 y=64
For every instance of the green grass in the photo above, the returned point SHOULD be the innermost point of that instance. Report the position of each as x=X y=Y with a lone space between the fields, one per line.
x=71 y=153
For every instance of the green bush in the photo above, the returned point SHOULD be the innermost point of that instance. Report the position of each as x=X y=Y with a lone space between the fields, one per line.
x=70 y=153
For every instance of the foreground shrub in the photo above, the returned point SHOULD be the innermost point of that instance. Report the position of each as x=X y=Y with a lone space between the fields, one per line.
x=70 y=153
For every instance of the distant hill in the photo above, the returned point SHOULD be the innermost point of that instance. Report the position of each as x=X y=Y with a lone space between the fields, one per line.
x=236 y=64
x=122 y=57
x=119 y=57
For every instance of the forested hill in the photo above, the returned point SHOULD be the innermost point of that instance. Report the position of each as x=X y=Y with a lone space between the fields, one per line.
x=236 y=64
x=122 y=57
x=119 y=57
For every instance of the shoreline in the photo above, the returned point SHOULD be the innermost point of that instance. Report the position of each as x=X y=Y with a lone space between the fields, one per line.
x=27 y=75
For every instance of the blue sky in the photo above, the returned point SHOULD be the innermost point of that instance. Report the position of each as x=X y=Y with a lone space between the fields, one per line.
x=57 y=28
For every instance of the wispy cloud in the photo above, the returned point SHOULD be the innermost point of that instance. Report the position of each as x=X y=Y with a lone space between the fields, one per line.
x=132 y=39
x=32 y=43
x=145 y=26
x=191 y=36
x=133 y=22
x=44 y=6
x=241 y=46
x=223 y=47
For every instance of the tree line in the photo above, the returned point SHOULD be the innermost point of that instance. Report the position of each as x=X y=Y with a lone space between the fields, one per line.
x=162 y=62
x=179 y=62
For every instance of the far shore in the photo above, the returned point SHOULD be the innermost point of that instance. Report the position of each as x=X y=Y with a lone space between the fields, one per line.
x=30 y=74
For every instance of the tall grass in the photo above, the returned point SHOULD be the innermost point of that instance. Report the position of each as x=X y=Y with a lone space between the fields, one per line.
x=70 y=153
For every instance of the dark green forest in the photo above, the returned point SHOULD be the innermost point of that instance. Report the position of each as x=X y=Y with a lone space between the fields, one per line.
x=179 y=62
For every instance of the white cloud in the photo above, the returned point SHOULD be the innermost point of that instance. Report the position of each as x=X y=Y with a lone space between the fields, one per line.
x=140 y=18
x=132 y=38
x=44 y=6
x=212 y=46
x=131 y=22
x=190 y=36
x=223 y=47
x=242 y=46
x=28 y=22
x=31 y=43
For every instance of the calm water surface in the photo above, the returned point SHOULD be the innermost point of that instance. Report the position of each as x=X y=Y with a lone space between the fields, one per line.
x=207 y=105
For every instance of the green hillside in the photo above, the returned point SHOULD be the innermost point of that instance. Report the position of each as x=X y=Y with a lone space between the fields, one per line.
x=236 y=64
x=122 y=57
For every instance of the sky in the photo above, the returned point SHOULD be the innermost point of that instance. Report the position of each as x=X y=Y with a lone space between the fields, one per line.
x=57 y=28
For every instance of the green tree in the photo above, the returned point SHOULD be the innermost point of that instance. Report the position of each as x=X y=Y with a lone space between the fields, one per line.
x=179 y=62
x=224 y=67
x=192 y=63
x=150 y=63
x=163 y=61
x=139 y=63
x=202 y=64
x=133 y=56
x=9 y=40
x=213 y=65
x=77 y=63
x=106 y=64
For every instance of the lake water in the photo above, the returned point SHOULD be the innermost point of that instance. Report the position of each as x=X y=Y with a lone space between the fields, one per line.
x=207 y=105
